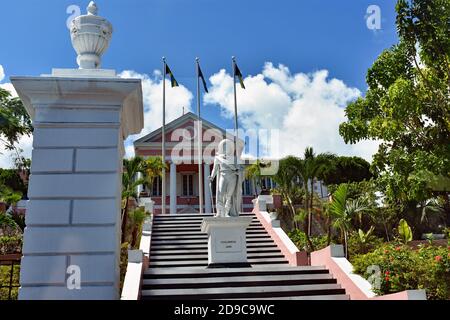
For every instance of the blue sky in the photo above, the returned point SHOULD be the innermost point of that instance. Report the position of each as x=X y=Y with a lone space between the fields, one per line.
x=305 y=36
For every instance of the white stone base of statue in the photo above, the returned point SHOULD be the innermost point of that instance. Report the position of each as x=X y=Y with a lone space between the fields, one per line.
x=227 y=245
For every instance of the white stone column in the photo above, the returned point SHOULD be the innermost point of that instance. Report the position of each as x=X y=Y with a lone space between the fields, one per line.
x=173 y=188
x=206 y=174
x=80 y=118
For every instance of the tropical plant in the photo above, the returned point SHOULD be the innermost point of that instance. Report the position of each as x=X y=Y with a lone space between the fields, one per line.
x=431 y=207
x=361 y=242
x=287 y=179
x=365 y=236
x=253 y=172
x=8 y=196
x=300 y=240
x=404 y=231
x=152 y=168
x=6 y=221
x=136 y=219
x=311 y=167
x=11 y=179
x=130 y=182
x=19 y=219
x=343 y=210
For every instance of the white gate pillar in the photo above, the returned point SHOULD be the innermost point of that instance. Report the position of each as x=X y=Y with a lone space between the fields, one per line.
x=81 y=117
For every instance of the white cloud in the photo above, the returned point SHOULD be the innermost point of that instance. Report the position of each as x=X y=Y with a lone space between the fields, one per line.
x=2 y=73
x=8 y=86
x=176 y=99
x=25 y=144
x=306 y=108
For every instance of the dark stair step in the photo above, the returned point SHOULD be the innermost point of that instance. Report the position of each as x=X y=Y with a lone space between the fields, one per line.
x=204 y=262
x=202 y=241
x=203 y=215
x=229 y=272
x=243 y=292
x=238 y=281
x=186 y=246
x=158 y=252
x=204 y=236
x=204 y=256
x=159 y=229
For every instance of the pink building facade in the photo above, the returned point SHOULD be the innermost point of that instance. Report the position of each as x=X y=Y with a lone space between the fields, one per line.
x=182 y=181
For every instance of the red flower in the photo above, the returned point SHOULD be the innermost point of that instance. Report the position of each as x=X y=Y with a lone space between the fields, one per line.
x=438 y=258
x=398 y=248
x=386 y=273
x=386 y=251
x=386 y=278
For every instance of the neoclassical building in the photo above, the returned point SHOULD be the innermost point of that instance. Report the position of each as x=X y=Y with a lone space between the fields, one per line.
x=182 y=190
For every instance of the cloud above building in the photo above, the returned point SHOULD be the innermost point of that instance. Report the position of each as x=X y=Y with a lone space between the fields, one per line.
x=176 y=99
x=306 y=108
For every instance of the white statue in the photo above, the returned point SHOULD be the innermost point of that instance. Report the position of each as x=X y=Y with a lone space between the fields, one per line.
x=229 y=180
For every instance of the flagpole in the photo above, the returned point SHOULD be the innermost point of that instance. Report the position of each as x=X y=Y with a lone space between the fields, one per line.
x=199 y=143
x=235 y=110
x=163 y=144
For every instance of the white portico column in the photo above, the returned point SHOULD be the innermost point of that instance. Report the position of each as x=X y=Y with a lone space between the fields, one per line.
x=173 y=188
x=206 y=170
x=81 y=117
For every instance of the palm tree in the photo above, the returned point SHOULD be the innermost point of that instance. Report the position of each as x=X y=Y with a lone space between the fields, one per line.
x=253 y=172
x=152 y=168
x=286 y=179
x=313 y=167
x=130 y=182
x=343 y=210
x=137 y=218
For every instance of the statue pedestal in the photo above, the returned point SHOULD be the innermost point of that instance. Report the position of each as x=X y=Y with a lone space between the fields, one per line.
x=227 y=245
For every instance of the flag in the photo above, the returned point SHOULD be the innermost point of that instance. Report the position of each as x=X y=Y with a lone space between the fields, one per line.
x=200 y=74
x=173 y=81
x=237 y=73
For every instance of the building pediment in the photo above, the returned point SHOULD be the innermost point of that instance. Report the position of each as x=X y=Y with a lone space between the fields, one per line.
x=180 y=129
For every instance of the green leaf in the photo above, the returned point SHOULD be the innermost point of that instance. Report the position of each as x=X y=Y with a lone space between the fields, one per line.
x=404 y=231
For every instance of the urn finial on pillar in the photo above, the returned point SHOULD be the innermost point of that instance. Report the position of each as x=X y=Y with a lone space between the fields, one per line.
x=90 y=36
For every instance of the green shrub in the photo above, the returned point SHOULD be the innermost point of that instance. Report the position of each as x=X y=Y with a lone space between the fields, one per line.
x=299 y=238
x=10 y=244
x=403 y=268
x=360 y=243
x=123 y=262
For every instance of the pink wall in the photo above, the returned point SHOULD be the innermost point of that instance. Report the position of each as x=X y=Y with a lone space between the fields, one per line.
x=323 y=258
x=298 y=258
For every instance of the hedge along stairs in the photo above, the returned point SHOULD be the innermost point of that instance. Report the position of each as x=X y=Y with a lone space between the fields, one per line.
x=179 y=258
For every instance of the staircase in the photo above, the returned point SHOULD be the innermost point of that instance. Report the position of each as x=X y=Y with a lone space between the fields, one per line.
x=179 y=257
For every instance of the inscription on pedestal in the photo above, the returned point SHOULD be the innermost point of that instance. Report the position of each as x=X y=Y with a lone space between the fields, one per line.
x=227 y=245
